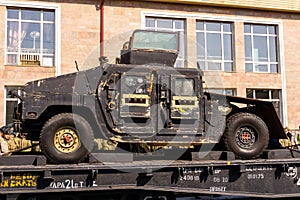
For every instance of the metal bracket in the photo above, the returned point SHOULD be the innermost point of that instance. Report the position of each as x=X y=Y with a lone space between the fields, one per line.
x=1 y=176
x=94 y=174
x=48 y=175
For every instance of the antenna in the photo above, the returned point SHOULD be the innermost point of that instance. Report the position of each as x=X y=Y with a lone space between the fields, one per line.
x=76 y=65
x=85 y=78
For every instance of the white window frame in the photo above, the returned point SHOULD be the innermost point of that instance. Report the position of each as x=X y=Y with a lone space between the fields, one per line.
x=267 y=35
x=222 y=33
x=39 y=5
x=30 y=53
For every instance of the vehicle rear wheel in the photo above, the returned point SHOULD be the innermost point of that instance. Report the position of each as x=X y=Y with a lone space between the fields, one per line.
x=66 y=138
x=246 y=135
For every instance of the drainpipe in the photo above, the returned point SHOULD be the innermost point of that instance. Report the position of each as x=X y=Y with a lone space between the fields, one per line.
x=102 y=29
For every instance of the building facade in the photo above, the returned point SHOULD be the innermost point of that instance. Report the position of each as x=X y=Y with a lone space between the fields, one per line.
x=245 y=48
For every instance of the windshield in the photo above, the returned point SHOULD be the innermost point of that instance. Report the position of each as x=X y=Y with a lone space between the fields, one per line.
x=155 y=40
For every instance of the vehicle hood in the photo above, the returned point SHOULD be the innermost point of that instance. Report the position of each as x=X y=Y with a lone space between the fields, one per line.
x=78 y=82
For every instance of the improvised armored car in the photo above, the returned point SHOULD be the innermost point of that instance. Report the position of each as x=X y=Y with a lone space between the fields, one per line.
x=142 y=99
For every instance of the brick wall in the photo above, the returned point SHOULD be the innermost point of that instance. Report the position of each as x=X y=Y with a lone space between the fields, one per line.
x=278 y=5
x=80 y=35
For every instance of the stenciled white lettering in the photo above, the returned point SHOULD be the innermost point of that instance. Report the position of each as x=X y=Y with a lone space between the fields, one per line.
x=253 y=168
x=67 y=184
x=217 y=189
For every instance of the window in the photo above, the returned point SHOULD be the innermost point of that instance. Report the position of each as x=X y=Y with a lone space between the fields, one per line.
x=270 y=95
x=30 y=37
x=135 y=85
x=170 y=25
x=226 y=91
x=184 y=87
x=11 y=102
x=261 y=51
x=214 y=45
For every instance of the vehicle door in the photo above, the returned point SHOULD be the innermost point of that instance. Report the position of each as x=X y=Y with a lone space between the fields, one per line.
x=179 y=101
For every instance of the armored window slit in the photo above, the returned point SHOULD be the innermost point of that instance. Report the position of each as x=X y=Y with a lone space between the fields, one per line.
x=140 y=100
x=184 y=102
x=134 y=100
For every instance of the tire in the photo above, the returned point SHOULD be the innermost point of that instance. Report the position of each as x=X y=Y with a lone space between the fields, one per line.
x=246 y=135
x=66 y=138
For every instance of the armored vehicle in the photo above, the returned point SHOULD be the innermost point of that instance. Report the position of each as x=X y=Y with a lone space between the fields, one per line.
x=141 y=99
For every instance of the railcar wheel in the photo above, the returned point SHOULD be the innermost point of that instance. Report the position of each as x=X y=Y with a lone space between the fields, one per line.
x=246 y=135
x=66 y=138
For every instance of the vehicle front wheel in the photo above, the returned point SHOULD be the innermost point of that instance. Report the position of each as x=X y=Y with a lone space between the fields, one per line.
x=66 y=138
x=246 y=135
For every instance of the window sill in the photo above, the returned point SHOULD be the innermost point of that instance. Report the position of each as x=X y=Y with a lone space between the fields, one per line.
x=29 y=66
x=210 y=70
x=262 y=72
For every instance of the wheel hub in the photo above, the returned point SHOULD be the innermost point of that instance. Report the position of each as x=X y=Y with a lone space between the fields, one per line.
x=245 y=137
x=66 y=140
